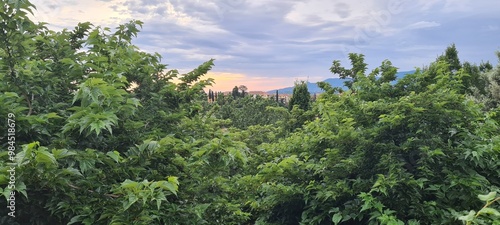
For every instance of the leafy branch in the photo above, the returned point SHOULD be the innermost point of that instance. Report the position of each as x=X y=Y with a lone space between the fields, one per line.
x=473 y=216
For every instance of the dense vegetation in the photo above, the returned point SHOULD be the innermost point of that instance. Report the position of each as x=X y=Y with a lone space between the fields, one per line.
x=104 y=136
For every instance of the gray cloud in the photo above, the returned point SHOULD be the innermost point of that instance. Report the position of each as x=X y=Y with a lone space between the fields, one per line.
x=292 y=38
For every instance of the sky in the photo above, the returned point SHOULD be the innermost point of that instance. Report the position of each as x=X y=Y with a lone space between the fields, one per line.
x=269 y=44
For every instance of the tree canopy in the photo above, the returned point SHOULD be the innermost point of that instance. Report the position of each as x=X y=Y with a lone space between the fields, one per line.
x=97 y=132
x=300 y=97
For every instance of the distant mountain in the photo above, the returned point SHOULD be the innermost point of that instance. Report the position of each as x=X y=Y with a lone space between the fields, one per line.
x=335 y=82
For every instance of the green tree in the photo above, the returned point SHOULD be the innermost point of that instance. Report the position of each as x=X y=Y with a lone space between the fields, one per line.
x=451 y=58
x=94 y=149
x=248 y=111
x=301 y=96
x=243 y=90
x=382 y=154
x=236 y=92
x=351 y=75
x=488 y=93
x=104 y=136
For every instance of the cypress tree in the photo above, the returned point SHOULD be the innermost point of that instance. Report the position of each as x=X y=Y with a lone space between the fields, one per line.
x=235 y=92
x=300 y=97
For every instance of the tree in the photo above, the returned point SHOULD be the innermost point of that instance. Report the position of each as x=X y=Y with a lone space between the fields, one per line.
x=489 y=92
x=383 y=154
x=301 y=96
x=211 y=95
x=235 y=93
x=451 y=57
x=351 y=75
x=91 y=148
x=243 y=90
x=248 y=111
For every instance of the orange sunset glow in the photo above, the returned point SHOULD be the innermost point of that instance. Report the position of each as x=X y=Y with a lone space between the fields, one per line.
x=225 y=81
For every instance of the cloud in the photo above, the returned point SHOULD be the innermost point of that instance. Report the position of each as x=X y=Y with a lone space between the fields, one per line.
x=276 y=41
x=68 y=13
x=175 y=13
x=422 y=24
x=446 y=6
x=195 y=54
x=321 y=12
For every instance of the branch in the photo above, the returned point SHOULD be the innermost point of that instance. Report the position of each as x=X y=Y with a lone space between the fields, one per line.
x=29 y=103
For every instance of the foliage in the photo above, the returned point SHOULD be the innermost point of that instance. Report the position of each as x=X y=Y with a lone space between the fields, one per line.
x=383 y=154
x=486 y=214
x=247 y=111
x=488 y=93
x=235 y=93
x=88 y=106
x=104 y=136
x=300 y=97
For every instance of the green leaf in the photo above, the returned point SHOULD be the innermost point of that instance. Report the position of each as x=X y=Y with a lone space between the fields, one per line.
x=10 y=94
x=61 y=153
x=200 y=209
x=160 y=196
x=75 y=219
x=43 y=156
x=132 y=198
x=115 y=155
x=72 y=171
x=6 y=192
x=174 y=180
x=21 y=187
x=486 y=198
x=490 y=211
x=413 y=222
x=170 y=187
x=3 y=179
x=52 y=115
x=337 y=218
x=469 y=217
x=128 y=184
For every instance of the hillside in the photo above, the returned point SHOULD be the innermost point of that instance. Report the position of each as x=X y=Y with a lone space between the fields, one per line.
x=335 y=82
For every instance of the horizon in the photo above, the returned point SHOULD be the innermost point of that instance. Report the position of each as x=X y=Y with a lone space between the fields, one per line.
x=287 y=87
x=268 y=45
